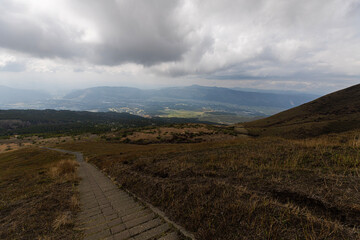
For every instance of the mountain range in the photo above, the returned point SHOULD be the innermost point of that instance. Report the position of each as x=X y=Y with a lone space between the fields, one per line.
x=192 y=93
x=192 y=101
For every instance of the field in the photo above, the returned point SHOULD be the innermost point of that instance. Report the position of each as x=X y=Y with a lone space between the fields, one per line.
x=206 y=116
x=38 y=197
x=179 y=133
x=181 y=113
x=20 y=142
x=243 y=187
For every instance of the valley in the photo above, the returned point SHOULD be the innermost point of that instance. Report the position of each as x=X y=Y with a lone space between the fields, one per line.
x=198 y=102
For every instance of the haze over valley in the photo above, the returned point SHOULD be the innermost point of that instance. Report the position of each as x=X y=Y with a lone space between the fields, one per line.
x=212 y=104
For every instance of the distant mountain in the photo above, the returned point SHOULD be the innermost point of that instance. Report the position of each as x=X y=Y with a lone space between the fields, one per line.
x=14 y=96
x=335 y=112
x=106 y=94
x=286 y=92
x=204 y=103
x=192 y=93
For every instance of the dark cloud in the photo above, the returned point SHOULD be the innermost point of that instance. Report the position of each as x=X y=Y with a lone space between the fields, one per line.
x=212 y=39
x=144 y=32
x=41 y=37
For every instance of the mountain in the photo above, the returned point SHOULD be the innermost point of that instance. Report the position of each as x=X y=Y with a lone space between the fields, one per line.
x=106 y=94
x=192 y=93
x=335 y=112
x=211 y=104
x=275 y=91
x=18 y=96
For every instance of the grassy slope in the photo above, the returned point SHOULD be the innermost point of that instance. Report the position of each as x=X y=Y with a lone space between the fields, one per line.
x=37 y=199
x=64 y=121
x=268 y=188
x=336 y=112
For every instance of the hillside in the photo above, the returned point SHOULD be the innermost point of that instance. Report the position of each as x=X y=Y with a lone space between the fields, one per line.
x=333 y=113
x=72 y=122
x=219 y=184
x=52 y=121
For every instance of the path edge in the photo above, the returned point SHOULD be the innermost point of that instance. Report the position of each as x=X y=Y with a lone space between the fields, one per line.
x=153 y=208
x=156 y=210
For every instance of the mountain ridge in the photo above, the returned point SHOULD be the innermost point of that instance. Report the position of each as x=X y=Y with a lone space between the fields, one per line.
x=335 y=112
x=214 y=104
x=194 y=92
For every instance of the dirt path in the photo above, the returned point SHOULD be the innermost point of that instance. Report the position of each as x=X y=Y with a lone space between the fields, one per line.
x=107 y=212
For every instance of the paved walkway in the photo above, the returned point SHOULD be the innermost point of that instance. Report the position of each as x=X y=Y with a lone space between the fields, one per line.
x=110 y=213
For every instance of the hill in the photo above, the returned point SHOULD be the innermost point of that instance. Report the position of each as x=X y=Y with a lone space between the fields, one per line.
x=333 y=113
x=72 y=122
x=222 y=185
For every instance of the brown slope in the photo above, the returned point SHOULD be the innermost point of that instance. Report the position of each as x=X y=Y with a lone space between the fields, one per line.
x=332 y=113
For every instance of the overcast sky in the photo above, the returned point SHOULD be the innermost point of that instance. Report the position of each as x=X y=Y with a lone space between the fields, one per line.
x=302 y=45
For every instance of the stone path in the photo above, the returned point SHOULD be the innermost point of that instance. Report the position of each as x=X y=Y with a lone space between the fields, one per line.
x=110 y=213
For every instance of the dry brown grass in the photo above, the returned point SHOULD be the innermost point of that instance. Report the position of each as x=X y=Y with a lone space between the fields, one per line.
x=63 y=219
x=64 y=170
x=36 y=194
x=75 y=202
x=334 y=113
x=181 y=133
x=264 y=188
x=6 y=147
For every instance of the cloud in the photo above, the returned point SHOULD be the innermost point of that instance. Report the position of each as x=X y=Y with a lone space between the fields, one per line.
x=108 y=32
x=145 y=32
x=37 y=34
x=265 y=40
x=272 y=39
x=13 y=67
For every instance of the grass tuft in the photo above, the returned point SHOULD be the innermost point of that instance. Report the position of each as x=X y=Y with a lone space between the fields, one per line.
x=64 y=171
x=62 y=219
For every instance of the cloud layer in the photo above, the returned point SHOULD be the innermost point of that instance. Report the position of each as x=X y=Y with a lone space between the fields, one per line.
x=209 y=39
x=107 y=32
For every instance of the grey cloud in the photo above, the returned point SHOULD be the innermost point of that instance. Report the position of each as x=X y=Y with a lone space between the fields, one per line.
x=78 y=70
x=13 y=67
x=273 y=39
x=144 y=32
x=215 y=39
x=25 y=34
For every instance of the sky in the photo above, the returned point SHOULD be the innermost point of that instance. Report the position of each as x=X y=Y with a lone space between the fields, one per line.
x=310 y=46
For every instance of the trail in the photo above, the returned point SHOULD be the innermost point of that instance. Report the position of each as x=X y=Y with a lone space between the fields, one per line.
x=108 y=212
